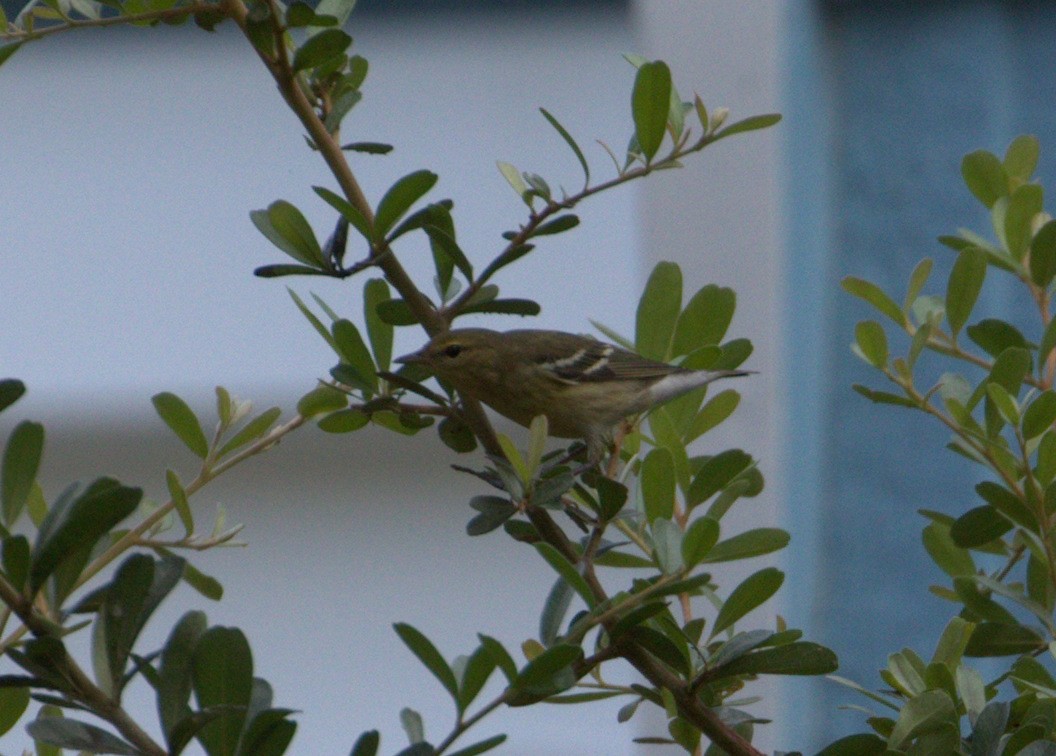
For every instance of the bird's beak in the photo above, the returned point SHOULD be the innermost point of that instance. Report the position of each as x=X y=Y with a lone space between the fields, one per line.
x=414 y=358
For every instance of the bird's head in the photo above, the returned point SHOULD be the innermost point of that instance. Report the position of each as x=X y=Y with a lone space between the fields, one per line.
x=457 y=355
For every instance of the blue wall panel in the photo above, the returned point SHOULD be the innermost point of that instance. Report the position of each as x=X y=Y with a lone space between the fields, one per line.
x=910 y=87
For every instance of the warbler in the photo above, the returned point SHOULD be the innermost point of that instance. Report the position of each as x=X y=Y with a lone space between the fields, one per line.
x=583 y=386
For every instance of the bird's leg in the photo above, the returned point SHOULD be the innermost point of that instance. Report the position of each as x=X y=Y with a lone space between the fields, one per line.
x=620 y=433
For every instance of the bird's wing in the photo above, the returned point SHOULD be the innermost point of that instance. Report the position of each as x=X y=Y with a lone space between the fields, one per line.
x=596 y=361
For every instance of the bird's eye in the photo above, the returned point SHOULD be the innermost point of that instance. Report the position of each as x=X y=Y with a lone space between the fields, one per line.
x=453 y=350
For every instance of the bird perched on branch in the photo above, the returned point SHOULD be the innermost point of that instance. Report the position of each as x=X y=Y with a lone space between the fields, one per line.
x=583 y=386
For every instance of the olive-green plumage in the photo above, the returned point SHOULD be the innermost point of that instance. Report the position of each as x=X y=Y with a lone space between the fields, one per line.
x=583 y=386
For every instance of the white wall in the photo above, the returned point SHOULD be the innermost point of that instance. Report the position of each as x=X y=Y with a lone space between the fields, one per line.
x=131 y=161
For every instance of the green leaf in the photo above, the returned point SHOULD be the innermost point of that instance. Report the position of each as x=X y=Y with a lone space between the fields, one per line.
x=995 y=336
x=456 y=435
x=79 y=736
x=480 y=747
x=367 y=744
x=395 y=312
x=978 y=527
x=650 y=104
x=712 y=414
x=548 y=674
x=348 y=211
x=658 y=311
x=321 y=48
x=312 y=319
x=715 y=474
x=570 y=142
x=635 y=617
x=984 y=176
x=340 y=10
x=77 y=522
x=538 y=185
x=752 y=123
x=6 y=51
x=11 y=390
x=1006 y=405
x=557 y=225
x=500 y=655
x=966 y=280
x=207 y=586
x=871 y=342
x=321 y=400
x=921 y=715
x=1010 y=368
x=704 y=320
x=251 y=431
x=862 y=744
x=13 y=704
x=514 y=179
x=475 y=674
x=299 y=14
x=667 y=545
x=1005 y=502
x=15 y=559
x=1023 y=204
x=1039 y=415
x=951 y=558
x=344 y=421
x=797 y=658
x=523 y=307
x=556 y=606
x=368 y=148
x=268 y=734
x=657 y=479
x=222 y=675
x=750 y=594
x=1021 y=157
x=427 y=654
x=917 y=279
x=19 y=467
x=446 y=251
x=380 y=333
x=399 y=198
x=952 y=642
x=989 y=727
x=1002 y=639
x=341 y=107
x=353 y=350
x=611 y=497
x=700 y=537
x=567 y=571
x=136 y=591
x=1046 y=467
x=751 y=543
x=875 y=296
x=407 y=423
x=286 y=228
x=1043 y=255
x=182 y=421
x=174 y=674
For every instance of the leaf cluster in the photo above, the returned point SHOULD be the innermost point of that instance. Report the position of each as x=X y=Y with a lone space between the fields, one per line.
x=995 y=396
x=658 y=522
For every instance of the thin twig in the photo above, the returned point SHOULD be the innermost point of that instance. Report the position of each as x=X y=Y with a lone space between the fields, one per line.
x=131 y=18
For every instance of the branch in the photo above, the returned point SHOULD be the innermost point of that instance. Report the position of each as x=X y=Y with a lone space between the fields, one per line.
x=330 y=148
x=134 y=536
x=83 y=689
x=169 y=14
x=554 y=206
x=689 y=704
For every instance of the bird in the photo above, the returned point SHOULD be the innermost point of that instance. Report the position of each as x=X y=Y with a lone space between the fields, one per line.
x=585 y=387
